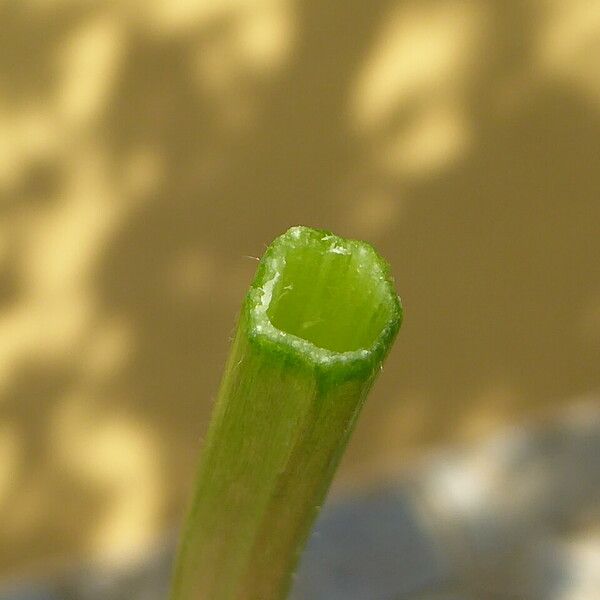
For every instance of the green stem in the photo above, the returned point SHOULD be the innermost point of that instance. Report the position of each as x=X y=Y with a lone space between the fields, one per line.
x=314 y=329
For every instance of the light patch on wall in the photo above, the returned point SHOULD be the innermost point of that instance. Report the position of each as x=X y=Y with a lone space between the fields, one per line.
x=434 y=139
x=253 y=44
x=119 y=457
x=265 y=37
x=175 y=17
x=410 y=98
x=37 y=331
x=134 y=484
x=89 y=62
x=425 y=48
x=568 y=45
x=65 y=240
x=59 y=245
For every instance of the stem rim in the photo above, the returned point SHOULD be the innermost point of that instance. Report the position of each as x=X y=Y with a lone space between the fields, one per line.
x=291 y=348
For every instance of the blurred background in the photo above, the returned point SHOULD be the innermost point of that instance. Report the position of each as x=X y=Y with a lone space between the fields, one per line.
x=150 y=149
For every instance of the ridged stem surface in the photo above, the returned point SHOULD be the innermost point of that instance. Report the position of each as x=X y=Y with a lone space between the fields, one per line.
x=314 y=329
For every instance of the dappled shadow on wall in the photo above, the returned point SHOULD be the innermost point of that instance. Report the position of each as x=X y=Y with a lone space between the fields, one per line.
x=150 y=150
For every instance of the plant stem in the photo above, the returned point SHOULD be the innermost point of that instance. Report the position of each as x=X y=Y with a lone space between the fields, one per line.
x=315 y=327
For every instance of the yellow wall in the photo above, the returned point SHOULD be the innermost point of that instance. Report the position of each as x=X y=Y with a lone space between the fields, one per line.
x=150 y=148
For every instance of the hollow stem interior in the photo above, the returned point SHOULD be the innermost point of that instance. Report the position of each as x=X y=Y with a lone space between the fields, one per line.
x=331 y=293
